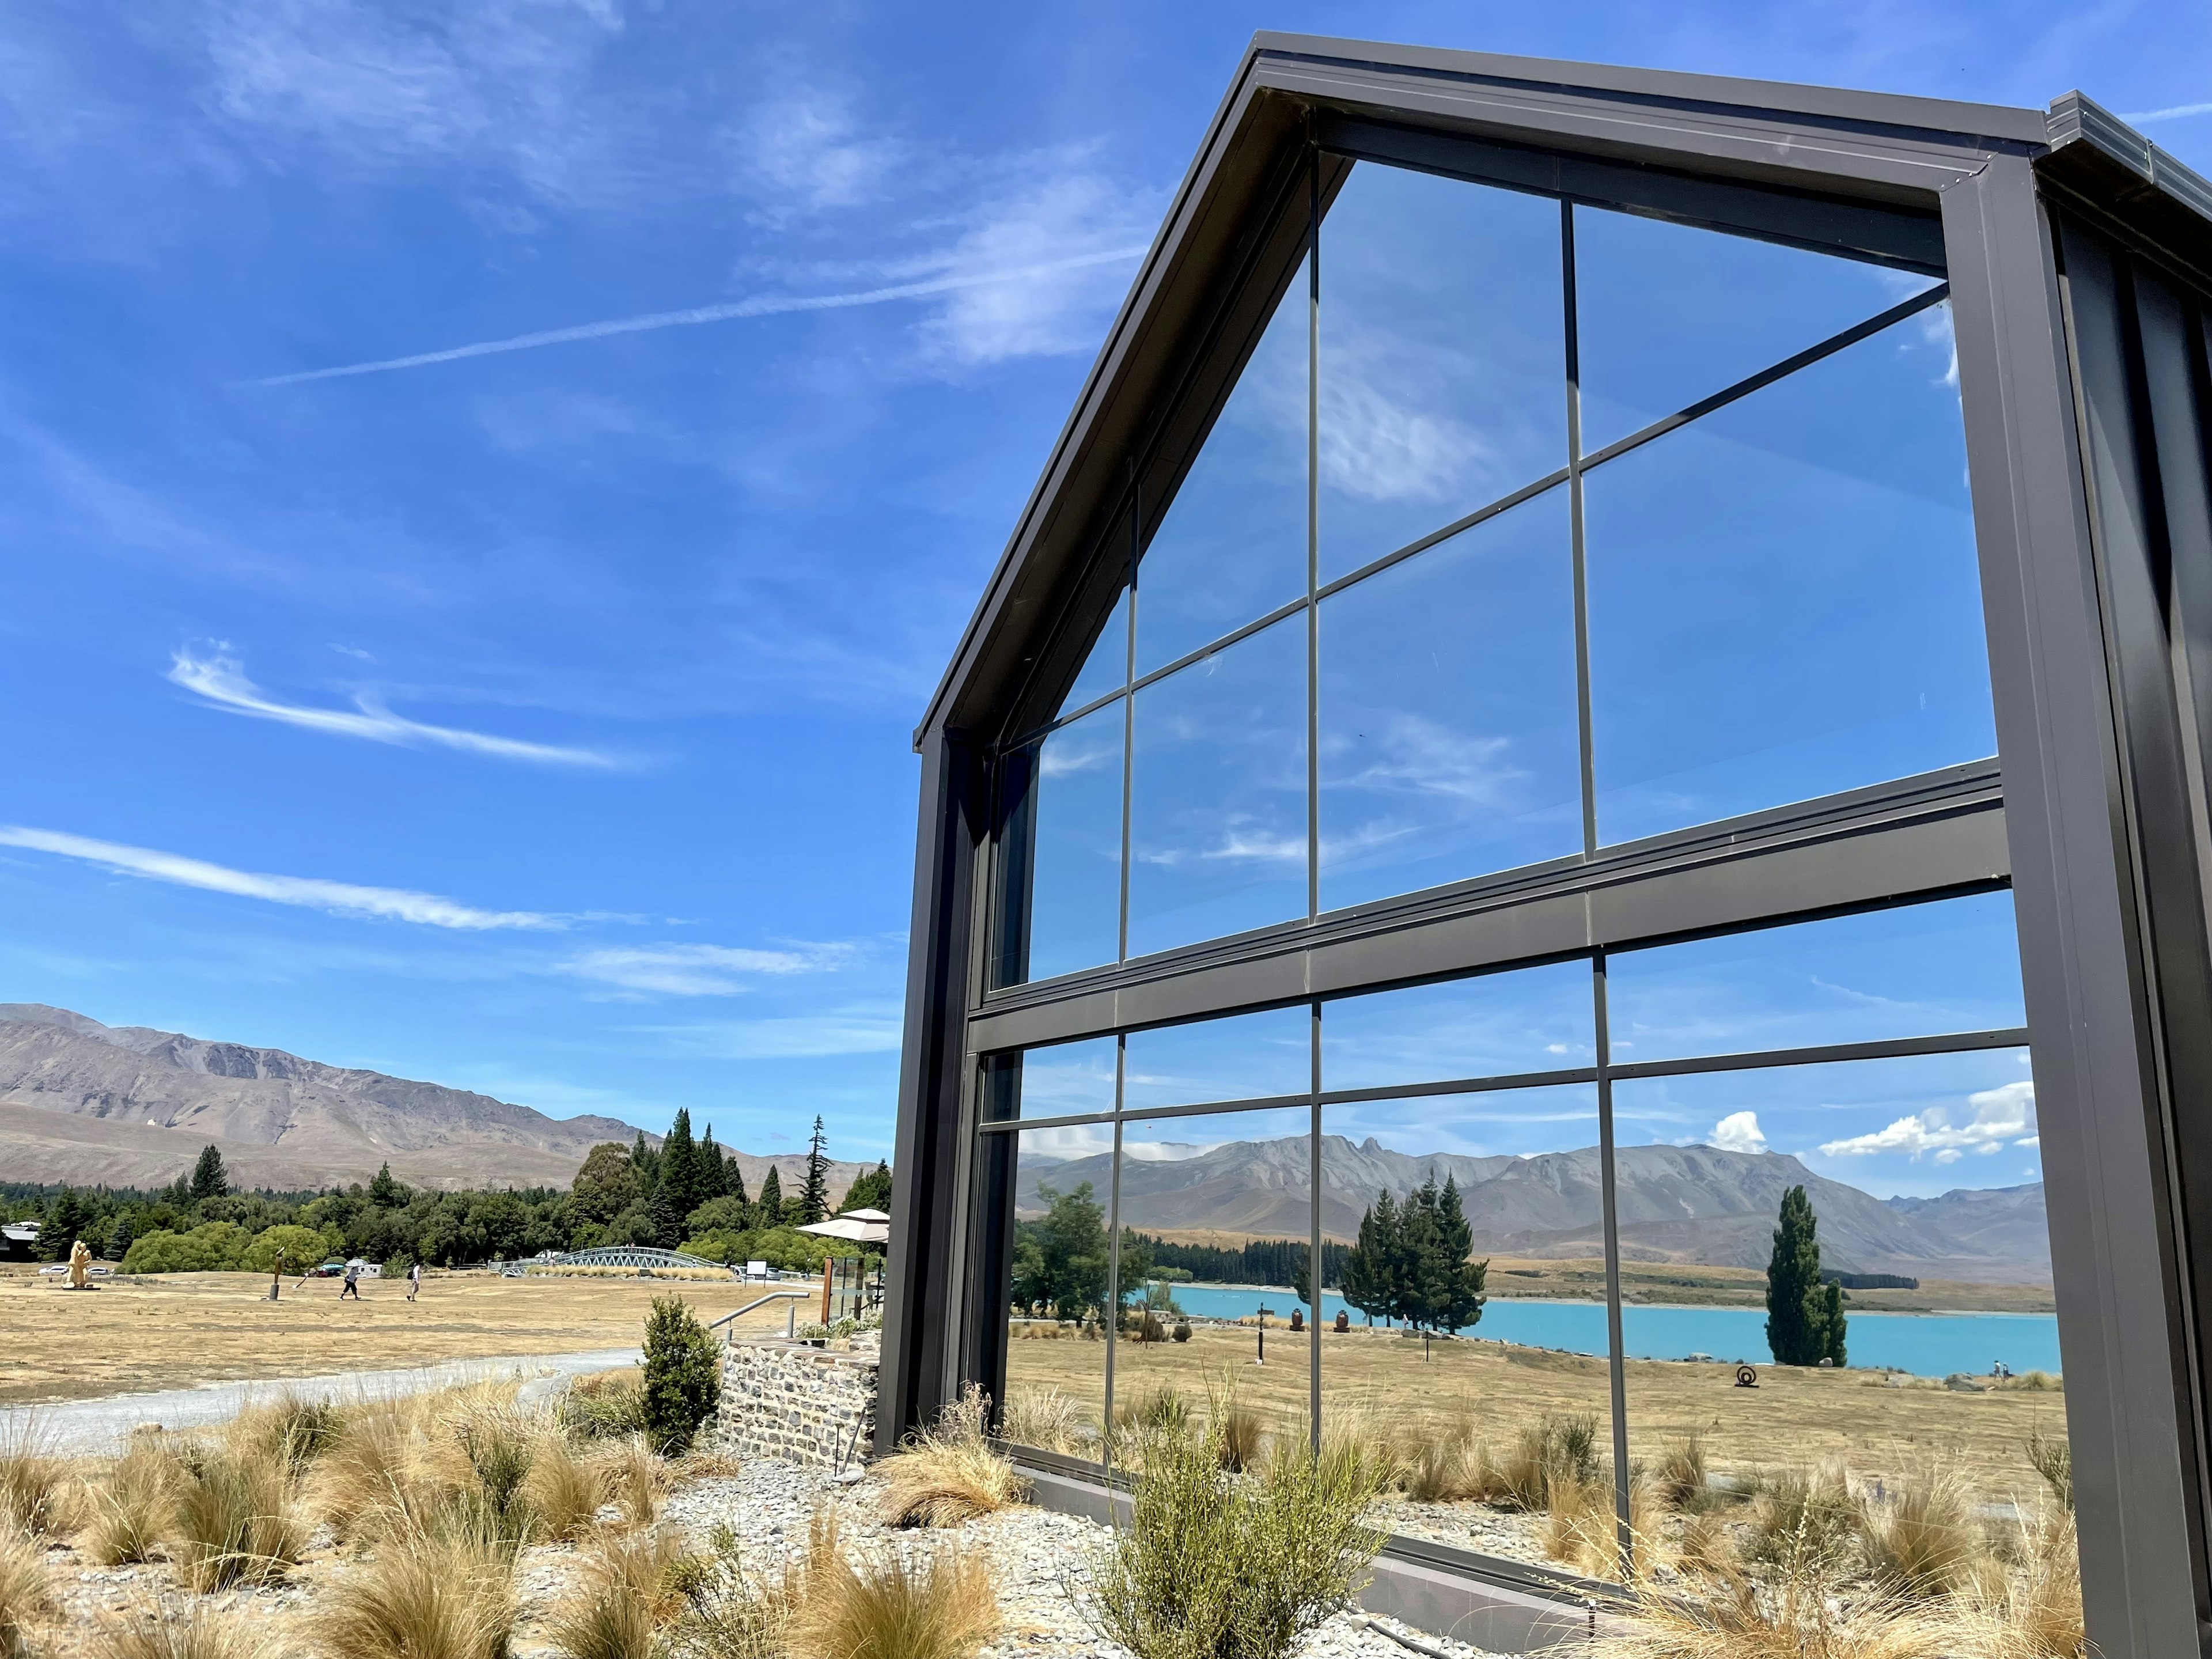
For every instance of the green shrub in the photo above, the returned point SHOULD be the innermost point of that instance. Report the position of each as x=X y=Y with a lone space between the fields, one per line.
x=784 y=1249
x=1213 y=1565
x=605 y=1405
x=217 y=1247
x=683 y=1376
x=294 y=1248
x=2052 y=1457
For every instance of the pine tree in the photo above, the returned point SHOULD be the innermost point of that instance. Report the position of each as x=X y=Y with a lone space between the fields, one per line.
x=871 y=1191
x=771 y=1199
x=209 y=1178
x=386 y=1192
x=680 y=1170
x=1367 y=1264
x=1798 y=1307
x=733 y=1178
x=713 y=1179
x=66 y=1218
x=814 y=1193
x=1463 y=1277
x=645 y=1162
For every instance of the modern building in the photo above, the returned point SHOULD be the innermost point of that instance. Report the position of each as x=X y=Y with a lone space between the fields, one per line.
x=1603 y=655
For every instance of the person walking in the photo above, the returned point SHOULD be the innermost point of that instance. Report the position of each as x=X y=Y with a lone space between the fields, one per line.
x=352 y=1281
x=413 y=1280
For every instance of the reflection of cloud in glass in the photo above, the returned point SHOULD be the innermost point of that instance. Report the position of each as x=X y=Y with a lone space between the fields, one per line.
x=1529 y=1019
x=1089 y=753
x=1999 y=1116
x=1071 y=1079
x=1070 y=1141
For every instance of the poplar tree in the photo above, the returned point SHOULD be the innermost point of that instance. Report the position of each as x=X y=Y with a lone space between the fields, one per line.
x=1804 y=1317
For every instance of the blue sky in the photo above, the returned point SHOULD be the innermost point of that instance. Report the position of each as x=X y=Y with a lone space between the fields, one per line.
x=536 y=719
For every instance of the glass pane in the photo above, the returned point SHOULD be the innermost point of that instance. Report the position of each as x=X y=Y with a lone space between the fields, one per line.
x=1057 y=1289
x=1244 y=1057
x=1216 y=1216
x=1069 y=1079
x=1466 y=1329
x=1075 y=893
x=1919 y=1183
x=1917 y=970
x=1233 y=544
x=1107 y=667
x=1217 y=836
x=1449 y=746
x=1442 y=356
x=1668 y=314
x=1783 y=597
x=1532 y=1019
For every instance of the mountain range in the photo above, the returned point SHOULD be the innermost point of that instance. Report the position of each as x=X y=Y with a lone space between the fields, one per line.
x=1676 y=1204
x=127 y=1106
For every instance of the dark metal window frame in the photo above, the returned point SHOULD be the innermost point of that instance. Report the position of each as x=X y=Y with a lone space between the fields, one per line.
x=2066 y=240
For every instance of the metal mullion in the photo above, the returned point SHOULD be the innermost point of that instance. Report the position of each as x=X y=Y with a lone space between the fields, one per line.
x=1527 y=492
x=1208 y=1108
x=1235 y=636
x=1112 y=1289
x=1470 y=1086
x=1313 y=555
x=1314 y=1242
x=1766 y=377
x=1954 y=1043
x=1585 y=741
x=1129 y=741
x=1616 y=1363
x=1037 y=733
x=1015 y=1124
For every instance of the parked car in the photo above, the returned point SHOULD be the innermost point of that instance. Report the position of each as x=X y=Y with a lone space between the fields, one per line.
x=328 y=1270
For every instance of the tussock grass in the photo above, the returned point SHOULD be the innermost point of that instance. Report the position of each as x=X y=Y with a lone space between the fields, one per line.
x=130 y=1509
x=605 y=1405
x=291 y=1427
x=1048 y=1420
x=26 y=1588
x=932 y=1604
x=950 y=1473
x=2035 y=1613
x=1240 y=1433
x=724 y=1611
x=184 y=1630
x=2051 y=1457
x=1442 y=1464
x=424 y=1595
x=234 y=1521
x=1924 y=1540
x=620 y=1600
x=1583 y=1528
x=1802 y=1519
x=1558 y=1451
x=634 y=1479
x=1156 y=1409
x=1680 y=1474
x=564 y=1490
x=35 y=1489
x=501 y=1448
x=1213 y=1565
x=367 y=1472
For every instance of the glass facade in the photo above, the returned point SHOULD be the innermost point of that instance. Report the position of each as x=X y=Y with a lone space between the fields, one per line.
x=1547 y=1203
x=1527 y=528
x=1532 y=537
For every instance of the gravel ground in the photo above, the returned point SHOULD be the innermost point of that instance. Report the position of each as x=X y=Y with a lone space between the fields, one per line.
x=1039 y=1558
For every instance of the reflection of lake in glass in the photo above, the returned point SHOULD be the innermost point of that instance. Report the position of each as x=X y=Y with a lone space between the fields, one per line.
x=1925 y=1344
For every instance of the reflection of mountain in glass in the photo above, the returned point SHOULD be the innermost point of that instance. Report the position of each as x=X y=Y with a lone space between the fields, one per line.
x=1692 y=1204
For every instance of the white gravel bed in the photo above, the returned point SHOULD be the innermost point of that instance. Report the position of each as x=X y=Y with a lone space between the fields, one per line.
x=1039 y=1558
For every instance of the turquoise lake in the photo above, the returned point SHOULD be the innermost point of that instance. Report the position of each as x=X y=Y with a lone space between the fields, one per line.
x=1926 y=1345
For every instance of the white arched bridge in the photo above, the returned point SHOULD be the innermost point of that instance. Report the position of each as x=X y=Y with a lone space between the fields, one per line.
x=613 y=1255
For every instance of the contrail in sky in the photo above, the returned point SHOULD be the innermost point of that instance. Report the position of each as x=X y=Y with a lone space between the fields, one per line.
x=764 y=306
x=2174 y=114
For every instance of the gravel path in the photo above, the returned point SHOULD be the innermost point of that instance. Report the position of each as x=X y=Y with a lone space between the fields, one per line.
x=1038 y=1557
x=96 y=1428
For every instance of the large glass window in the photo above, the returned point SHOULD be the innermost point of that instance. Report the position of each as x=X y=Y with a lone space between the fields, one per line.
x=1057 y=1292
x=1526 y=1020
x=1218 y=794
x=1244 y=1057
x=1448 y=713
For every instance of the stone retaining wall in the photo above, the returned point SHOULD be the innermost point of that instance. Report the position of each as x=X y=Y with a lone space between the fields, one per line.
x=812 y=1407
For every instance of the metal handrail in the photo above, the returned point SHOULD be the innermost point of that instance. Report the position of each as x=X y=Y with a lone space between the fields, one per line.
x=762 y=1301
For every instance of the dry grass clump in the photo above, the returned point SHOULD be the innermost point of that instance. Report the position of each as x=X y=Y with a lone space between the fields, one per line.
x=1583 y=1528
x=2033 y=1613
x=1680 y=1474
x=233 y=1518
x=1048 y=1420
x=605 y=1405
x=1442 y=1463
x=2051 y=1457
x=632 y=1478
x=296 y=1429
x=26 y=1588
x=1162 y=1407
x=446 y=1595
x=950 y=1473
x=186 y=1630
x=931 y=1604
x=34 y=1485
x=1559 y=1451
x=621 y=1602
x=131 y=1507
x=1239 y=1434
x=1803 y=1518
x=564 y=1490
x=1923 y=1538
x=723 y=1612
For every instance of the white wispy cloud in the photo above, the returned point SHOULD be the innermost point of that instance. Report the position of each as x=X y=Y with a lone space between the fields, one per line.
x=701 y=970
x=1739 y=1131
x=2000 y=1117
x=765 y=305
x=218 y=677
x=803 y=150
x=308 y=892
x=2178 y=113
x=860 y=1029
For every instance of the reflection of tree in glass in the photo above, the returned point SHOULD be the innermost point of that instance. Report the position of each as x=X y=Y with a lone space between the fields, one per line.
x=1059 y=1258
x=1410 y=1261
x=1804 y=1317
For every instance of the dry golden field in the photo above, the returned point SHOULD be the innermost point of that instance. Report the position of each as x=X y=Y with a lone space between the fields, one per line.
x=1794 y=1417
x=176 y=1329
